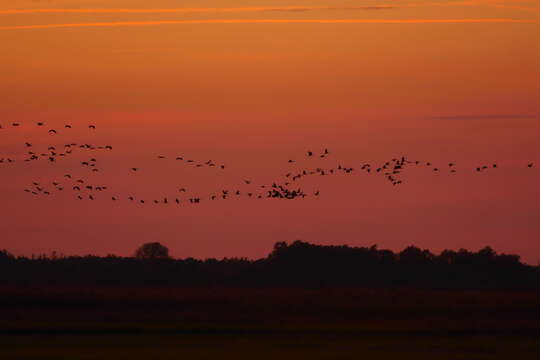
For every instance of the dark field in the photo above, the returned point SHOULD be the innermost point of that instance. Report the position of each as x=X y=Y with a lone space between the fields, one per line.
x=149 y=323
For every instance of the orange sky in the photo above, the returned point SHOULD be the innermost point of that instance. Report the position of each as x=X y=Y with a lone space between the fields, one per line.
x=256 y=83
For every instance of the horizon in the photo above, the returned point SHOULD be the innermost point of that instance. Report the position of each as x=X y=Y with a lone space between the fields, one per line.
x=58 y=255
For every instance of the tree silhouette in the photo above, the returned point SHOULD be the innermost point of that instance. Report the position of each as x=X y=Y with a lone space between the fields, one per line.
x=153 y=250
x=296 y=264
x=6 y=255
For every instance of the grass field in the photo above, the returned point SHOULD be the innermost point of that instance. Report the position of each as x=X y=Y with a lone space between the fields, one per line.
x=327 y=345
x=267 y=324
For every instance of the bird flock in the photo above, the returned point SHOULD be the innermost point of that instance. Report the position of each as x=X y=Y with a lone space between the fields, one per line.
x=288 y=187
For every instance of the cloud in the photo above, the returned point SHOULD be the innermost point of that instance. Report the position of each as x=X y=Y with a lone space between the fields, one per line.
x=271 y=21
x=488 y=117
x=498 y=4
x=189 y=10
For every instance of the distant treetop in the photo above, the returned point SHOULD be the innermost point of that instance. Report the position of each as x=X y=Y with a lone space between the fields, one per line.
x=152 y=250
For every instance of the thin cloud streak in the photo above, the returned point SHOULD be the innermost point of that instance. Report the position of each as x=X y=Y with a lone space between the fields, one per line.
x=487 y=117
x=189 y=10
x=469 y=3
x=274 y=21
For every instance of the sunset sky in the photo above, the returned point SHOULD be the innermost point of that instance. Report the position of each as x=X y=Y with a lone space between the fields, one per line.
x=251 y=84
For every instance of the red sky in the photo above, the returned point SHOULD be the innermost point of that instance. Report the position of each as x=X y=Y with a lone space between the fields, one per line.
x=255 y=84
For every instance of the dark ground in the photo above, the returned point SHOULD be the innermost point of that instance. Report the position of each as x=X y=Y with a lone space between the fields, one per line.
x=153 y=323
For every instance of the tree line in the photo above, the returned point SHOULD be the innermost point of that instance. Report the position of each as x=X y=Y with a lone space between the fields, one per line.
x=298 y=264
